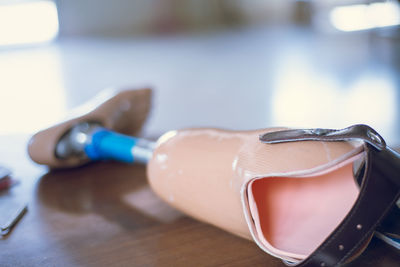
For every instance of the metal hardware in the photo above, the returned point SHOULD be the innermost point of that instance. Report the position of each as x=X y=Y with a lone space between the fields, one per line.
x=356 y=132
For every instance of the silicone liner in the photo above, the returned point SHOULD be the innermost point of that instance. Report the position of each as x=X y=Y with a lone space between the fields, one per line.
x=289 y=216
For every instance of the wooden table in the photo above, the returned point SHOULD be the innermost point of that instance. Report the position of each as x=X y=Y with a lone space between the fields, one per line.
x=105 y=214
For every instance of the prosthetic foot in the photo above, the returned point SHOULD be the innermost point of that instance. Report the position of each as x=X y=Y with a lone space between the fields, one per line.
x=63 y=145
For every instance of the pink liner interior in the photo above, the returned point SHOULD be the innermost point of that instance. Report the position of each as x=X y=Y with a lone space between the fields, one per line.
x=293 y=215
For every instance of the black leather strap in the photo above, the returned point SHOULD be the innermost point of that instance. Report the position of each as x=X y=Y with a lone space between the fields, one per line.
x=379 y=191
x=378 y=194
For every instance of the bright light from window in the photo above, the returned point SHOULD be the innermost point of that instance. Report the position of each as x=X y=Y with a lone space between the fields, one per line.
x=28 y=22
x=32 y=94
x=306 y=98
x=362 y=17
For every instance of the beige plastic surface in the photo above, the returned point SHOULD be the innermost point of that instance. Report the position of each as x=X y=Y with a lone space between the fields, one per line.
x=202 y=171
x=123 y=111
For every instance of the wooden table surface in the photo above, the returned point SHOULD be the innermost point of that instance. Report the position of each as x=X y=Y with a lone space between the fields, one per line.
x=105 y=214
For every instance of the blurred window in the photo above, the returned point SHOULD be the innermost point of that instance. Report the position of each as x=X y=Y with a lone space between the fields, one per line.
x=27 y=22
x=365 y=16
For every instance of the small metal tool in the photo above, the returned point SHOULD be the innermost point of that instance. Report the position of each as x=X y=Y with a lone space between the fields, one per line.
x=12 y=218
x=11 y=209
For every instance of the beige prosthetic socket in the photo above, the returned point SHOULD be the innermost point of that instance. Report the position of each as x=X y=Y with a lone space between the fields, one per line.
x=123 y=111
x=203 y=173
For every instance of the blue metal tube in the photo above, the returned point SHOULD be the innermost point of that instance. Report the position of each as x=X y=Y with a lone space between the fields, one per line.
x=106 y=144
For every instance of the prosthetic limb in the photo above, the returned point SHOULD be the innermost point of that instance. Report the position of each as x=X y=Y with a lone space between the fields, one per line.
x=294 y=192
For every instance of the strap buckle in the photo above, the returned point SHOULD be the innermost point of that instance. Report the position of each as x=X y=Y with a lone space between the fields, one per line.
x=356 y=132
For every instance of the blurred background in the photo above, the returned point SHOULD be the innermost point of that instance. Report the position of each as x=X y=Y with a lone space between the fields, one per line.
x=236 y=64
